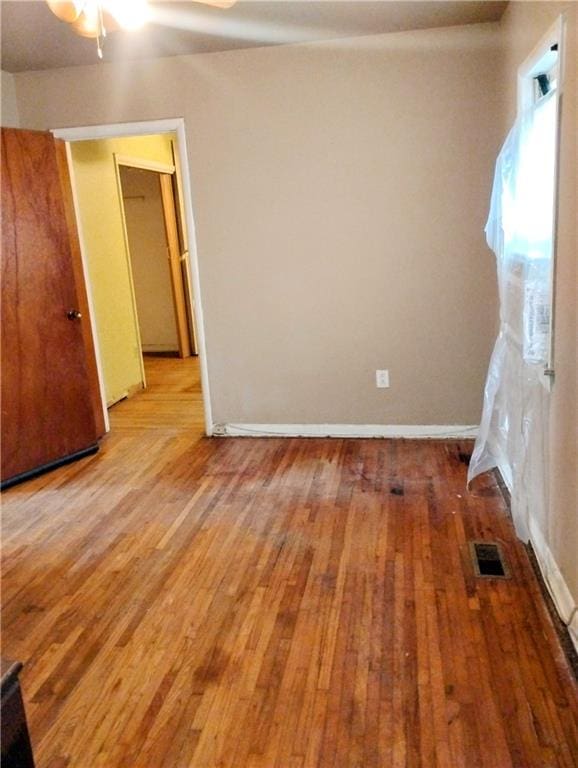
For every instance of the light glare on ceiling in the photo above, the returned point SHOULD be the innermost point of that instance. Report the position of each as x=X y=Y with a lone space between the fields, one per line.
x=130 y=14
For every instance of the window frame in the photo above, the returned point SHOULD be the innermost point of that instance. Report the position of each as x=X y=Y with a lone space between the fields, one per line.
x=528 y=70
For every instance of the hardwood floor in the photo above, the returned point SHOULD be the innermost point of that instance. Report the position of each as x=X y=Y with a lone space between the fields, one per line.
x=303 y=603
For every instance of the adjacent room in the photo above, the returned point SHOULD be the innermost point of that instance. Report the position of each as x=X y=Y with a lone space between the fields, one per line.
x=288 y=370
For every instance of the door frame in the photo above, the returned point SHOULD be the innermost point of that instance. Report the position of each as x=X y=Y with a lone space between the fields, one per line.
x=146 y=128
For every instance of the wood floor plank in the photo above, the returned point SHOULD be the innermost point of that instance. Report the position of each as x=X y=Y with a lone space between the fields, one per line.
x=267 y=603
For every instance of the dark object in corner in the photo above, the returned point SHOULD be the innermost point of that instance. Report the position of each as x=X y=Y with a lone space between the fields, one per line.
x=464 y=458
x=397 y=490
x=16 y=747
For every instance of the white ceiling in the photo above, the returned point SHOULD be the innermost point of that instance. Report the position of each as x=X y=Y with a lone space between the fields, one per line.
x=33 y=38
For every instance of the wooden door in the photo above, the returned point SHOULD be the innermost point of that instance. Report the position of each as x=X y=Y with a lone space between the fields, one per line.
x=49 y=386
x=175 y=266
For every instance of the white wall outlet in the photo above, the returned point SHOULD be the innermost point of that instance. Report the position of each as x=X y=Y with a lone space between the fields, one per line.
x=382 y=379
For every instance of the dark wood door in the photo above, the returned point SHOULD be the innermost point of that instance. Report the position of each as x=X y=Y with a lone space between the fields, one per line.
x=49 y=386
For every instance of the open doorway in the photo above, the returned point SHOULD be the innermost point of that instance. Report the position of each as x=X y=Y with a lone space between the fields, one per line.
x=136 y=228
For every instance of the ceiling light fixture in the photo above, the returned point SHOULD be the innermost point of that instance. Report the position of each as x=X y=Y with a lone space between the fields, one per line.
x=93 y=18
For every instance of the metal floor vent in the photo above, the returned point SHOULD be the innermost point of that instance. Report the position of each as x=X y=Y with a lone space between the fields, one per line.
x=488 y=559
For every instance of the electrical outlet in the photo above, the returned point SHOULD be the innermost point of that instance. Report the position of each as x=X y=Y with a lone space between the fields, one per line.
x=382 y=379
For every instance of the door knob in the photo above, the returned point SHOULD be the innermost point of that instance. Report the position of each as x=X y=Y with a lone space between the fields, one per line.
x=73 y=314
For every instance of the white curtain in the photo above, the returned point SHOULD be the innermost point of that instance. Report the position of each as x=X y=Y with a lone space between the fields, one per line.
x=514 y=424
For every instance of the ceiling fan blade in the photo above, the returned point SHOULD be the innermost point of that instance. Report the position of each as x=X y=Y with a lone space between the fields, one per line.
x=66 y=10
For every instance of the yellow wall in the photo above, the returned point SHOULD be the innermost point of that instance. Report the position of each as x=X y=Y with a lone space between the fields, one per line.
x=108 y=266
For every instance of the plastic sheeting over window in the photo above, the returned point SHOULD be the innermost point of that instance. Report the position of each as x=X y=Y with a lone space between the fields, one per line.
x=514 y=425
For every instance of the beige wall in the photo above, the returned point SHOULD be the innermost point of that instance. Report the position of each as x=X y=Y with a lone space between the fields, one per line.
x=9 y=116
x=523 y=26
x=340 y=192
x=102 y=231
x=147 y=241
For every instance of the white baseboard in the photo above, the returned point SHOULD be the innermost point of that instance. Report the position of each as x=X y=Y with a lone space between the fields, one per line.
x=504 y=470
x=555 y=582
x=416 y=431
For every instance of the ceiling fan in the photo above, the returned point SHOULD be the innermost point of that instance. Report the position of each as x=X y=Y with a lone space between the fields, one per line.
x=93 y=18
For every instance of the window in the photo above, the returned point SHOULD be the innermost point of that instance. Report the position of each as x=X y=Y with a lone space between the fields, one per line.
x=533 y=209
